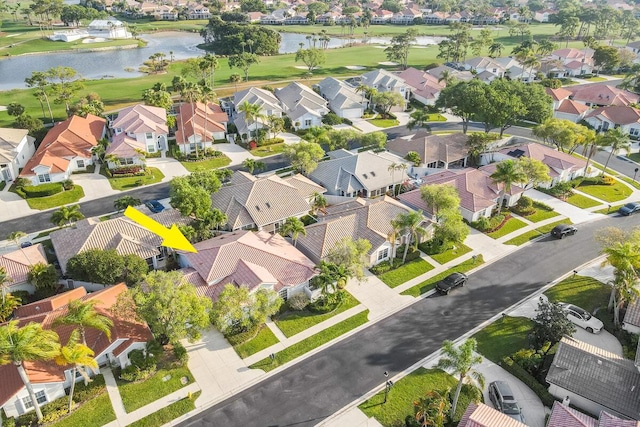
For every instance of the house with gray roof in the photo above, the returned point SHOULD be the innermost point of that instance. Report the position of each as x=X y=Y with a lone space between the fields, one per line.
x=365 y=174
x=631 y=321
x=594 y=379
x=436 y=151
x=263 y=203
x=386 y=81
x=565 y=416
x=16 y=148
x=269 y=106
x=343 y=98
x=302 y=105
x=480 y=64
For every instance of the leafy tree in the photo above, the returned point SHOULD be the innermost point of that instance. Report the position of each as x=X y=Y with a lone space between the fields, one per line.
x=42 y=276
x=507 y=173
x=190 y=200
x=106 y=267
x=243 y=61
x=376 y=140
x=293 y=228
x=29 y=343
x=38 y=80
x=606 y=57
x=90 y=104
x=392 y=6
x=25 y=121
x=398 y=51
x=171 y=307
x=460 y=362
x=451 y=228
x=135 y=269
x=237 y=310
x=124 y=202
x=275 y=125
x=64 y=84
x=410 y=224
x=431 y=410
x=440 y=198
x=351 y=254
x=617 y=140
x=564 y=134
x=67 y=215
x=304 y=156
x=318 y=201
x=7 y=305
x=387 y=100
x=312 y=58
x=464 y=100
x=534 y=171
x=483 y=41
x=419 y=119
x=252 y=6
x=502 y=106
x=252 y=164
x=550 y=325
x=79 y=356
x=15 y=109
x=414 y=158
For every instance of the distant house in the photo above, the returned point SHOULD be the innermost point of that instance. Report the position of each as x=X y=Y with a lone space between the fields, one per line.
x=385 y=81
x=109 y=28
x=481 y=415
x=16 y=148
x=198 y=11
x=199 y=126
x=17 y=265
x=365 y=174
x=482 y=64
x=544 y=15
x=625 y=118
x=302 y=105
x=381 y=16
x=65 y=149
x=435 y=151
x=565 y=108
x=602 y=95
x=269 y=104
x=515 y=70
x=257 y=260
x=574 y=61
x=406 y=17
x=634 y=47
x=343 y=98
x=50 y=380
x=263 y=203
x=425 y=88
x=565 y=416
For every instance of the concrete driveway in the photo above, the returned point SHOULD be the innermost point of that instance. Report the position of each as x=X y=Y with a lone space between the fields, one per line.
x=574 y=213
x=95 y=186
x=236 y=153
x=168 y=166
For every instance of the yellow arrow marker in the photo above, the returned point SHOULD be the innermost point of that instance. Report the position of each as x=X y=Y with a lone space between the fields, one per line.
x=173 y=238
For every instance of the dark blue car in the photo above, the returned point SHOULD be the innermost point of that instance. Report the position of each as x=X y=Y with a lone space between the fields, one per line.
x=629 y=208
x=154 y=206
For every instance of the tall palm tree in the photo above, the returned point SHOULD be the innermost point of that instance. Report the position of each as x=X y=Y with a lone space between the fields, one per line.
x=447 y=77
x=410 y=225
x=507 y=173
x=4 y=281
x=317 y=134
x=496 y=49
x=235 y=79
x=79 y=356
x=16 y=236
x=252 y=164
x=67 y=215
x=459 y=362
x=617 y=140
x=392 y=170
x=294 y=228
x=29 y=343
x=318 y=201
x=83 y=314
x=7 y=306
x=402 y=167
x=252 y=112
x=432 y=408
x=591 y=142
x=623 y=289
x=192 y=93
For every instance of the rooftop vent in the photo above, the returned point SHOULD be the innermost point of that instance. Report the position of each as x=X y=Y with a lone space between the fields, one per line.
x=365 y=175
x=373 y=173
x=257 y=208
x=268 y=204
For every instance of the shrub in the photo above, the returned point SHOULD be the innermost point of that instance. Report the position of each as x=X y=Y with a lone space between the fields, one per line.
x=298 y=302
x=519 y=372
x=241 y=337
x=133 y=169
x=67 y=184
x=91 y=390
x=411 y=254
x=327 y=302
x=331 y=119
x=42 y=190
x=270 y=141
x=180 y=353
x=608 y=180
x=23 y=295
x=231 y=128
x=496 y=221
x=21 y=182
x=380 y=268
x=482 y=224
x=132 y=373
x=433 y=247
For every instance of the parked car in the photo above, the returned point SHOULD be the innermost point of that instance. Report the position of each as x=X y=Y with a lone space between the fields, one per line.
x=582 y=318
x=154 y=206
x=502 y=398
x=630 y=208
x=26 y=244
x=560 y=231
x=451 y=281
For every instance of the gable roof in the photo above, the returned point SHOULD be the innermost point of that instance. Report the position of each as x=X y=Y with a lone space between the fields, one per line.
x=603 y=94
x=142 y=119
x=432 y=148
x=382 y=79
x=305 y=186
x=618 y=114
x=254 y=95
x=481 y=415
x=18 y=262
x=596 y=375
x=124 y=146
x=201 y=120
x=9 y=141
x=484 y=62
x=558 y=94
x=569 y=106
x=340 y=94
x=565 y=416
x=556 y=160
x=299 y=100
x=422 y=84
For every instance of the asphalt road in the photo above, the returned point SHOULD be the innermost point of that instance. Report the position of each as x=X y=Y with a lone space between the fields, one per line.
x=315 y=388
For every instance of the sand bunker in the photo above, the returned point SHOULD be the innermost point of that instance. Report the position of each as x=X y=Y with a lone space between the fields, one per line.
x=389 y=63
x=354 y=67
x=303 y=67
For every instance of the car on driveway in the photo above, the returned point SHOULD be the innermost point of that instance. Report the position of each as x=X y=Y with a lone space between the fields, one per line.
x=560 y=231
x=502 y=398
x=154 y=206
x=582 y=318
x=451 y=281
x=630 y=208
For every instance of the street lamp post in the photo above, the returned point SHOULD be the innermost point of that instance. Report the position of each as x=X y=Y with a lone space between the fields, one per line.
x=387 y=386
x=635 y=172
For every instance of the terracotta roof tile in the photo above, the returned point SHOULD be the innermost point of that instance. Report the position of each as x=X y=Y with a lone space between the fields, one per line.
x=603 y=94
x=481 y=415
x=570 y=106
x=618 y=114
x=124 y=146
x=558 y=94
x=18 y=263
x=142 y=119
x=564 y=416
x=196 y=120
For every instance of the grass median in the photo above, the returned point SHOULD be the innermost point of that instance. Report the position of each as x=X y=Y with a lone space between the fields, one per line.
x=152 y=176
x=138 y=394
x=510 y=226
x=451 y=254
x=534 y=234
x=405 y=272
x=263 y=339
x=214 y=163
x=583 y=291
x=431 y=282
x=581 y=201
x=503 y=337
x=168 y=413
x=60 y=199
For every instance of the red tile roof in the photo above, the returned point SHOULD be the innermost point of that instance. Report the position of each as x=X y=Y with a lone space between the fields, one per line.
x=481 y=415
x=603 y=94
x=422 y=84
x=569 y=106
x=195 y=122
x=618 y=114
x=558 y=94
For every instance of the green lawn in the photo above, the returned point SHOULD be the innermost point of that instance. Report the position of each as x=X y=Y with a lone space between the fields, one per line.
x=264 y=339
x=408 y=390
x=136 y=395
x=437 y=117
x=635 y=157
x=510 y=226
x=312 y=342
x=533 y=234
x=93 y=413
x=430 y=283
x=583 y=291
x=595 y=79
x=541 y=213
x=168 y=413
x=451 y=254
x=153 y=176
x=609 y=210
x=2 y=185
x=608 y=193
x=503 y=337
x=406 y=272
x=582 y=201
x=60 y=199
x=214 y=163
x=384 y=123
x=547 y=228
x=292 y=322
x=268 y=150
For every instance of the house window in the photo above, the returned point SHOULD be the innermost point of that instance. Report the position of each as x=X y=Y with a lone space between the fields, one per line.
x=40 y=397
x=284 y=293
x=151 y=148
x=383 y=254
x=634 y=132
x=307 y=122
x=80 y=163
x=149 y=135
x=44 y=177
x=127 y=161
x=150 y=263
x=163 y=253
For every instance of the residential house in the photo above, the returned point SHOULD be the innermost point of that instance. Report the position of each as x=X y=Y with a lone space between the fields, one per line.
x=65 y=149
x=565 y=416
x=300 y=19
x=17 y=265
x=381 y=16
x=544 y=15
x=482 y=64
x=277 y=17
x=569 y=55
x=269 y=106
x=263 y=203
x=386 y=81
x=255 y=16
x=600 y=95
x=356 y=219
x=343 y=98
x=50 y=380
x=438 y=72
x=634 y=47
x=481 y=415
x=631 y=321
x=302 y=105
x=198 y=11
x=614 y=116
x=479 y=194
x=406 y=17
x=121 y=234
x=109 y=28
x=198 y=126
x=258 y=260
x=16 y=148
x=425 y=88
x=565 y=108
x=365 y=174
x=435 y=151
x=515 y=70
x=594 y=379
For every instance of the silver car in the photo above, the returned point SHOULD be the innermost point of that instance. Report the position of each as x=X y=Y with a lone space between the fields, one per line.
x=502 y=398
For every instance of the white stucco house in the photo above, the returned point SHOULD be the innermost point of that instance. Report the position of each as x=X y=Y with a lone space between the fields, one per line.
x=16 y=148
x=343 y=98
x=302 y=105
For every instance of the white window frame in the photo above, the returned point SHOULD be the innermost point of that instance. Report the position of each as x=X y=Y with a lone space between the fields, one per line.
x=308 y=122
x=634 y=132
x=383 y=254
x=80 y=163
x=127 y=161
x=41 y=397
x=44 y=177
x=149 y=135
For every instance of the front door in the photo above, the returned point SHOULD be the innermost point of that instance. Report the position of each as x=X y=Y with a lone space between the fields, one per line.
x=6 y=176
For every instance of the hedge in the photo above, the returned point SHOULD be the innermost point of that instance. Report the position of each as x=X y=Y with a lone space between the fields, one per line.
x=519 y=372
x=42 y=190
x=127 y=170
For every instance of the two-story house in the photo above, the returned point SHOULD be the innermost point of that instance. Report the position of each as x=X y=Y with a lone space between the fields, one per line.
x=17 y=265
x=16 y=148
x=302 y=105
x=386 y=81
x=198 y=126
x=615 y=116
x=269 y=106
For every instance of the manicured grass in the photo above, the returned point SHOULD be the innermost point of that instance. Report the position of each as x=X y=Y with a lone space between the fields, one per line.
x=93 y=413
x=137 y=395
x=436 y=118
x=45 y=233
x=214 y=163
x=268 y=150
x=64 y=198
x=541 y=213
x=408 y=390
x=264 y=339
x=451 y=254
x=168 y=413
x=583 y=291
x=431 y=282
x=523 y=238
x=384 y=123
x=595 y=79
x=547 y=228
x=608 y=193
x=503 y=337
x=406 y=272
x=581 y=201
x=153 y=176
x=292 y=322
x=2 y=185
x=609 y=210
x=635 y=157
x=510 y=226
x=312 y=342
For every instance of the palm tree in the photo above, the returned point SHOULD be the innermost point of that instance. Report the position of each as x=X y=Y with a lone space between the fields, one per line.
x=392 y=170
x=235 y=78
x=7 y=306
x=317 y=134
x=402 y=167
x=252 y=112
x=78 y=355
x=623 y=289
x=618 y=140
x=83 y=314
x=432 y=408
x=16 y=236
x=496 y=49
x=460 y=362
x=318 y=201
x=419 y=118
x=124 y=202
x=293 y=227
x=4 y=281
x=206 y=94
x=66 y=215
x=507 y=173
x=252 y=164
x=447 y=77
x=191 y=92
x=30 y=343
x=410 y=225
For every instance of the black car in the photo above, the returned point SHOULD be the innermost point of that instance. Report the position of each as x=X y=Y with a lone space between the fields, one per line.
x=451 y=281
x=154 y=206
x=630 y=208
x=562 y=230
x=502 y=398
